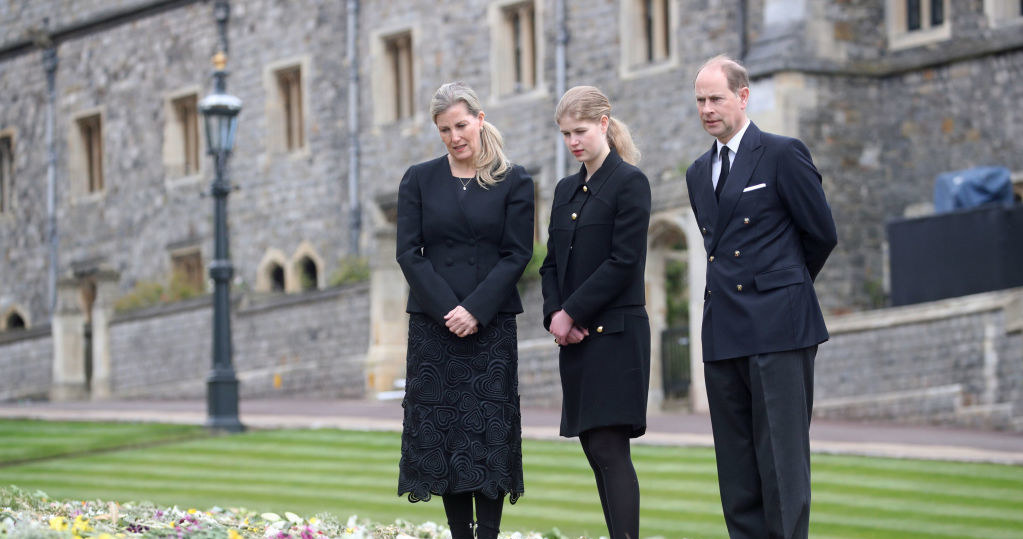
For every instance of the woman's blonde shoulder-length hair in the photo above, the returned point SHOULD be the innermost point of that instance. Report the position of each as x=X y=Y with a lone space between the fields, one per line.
x=588 y=103
x=491 y=163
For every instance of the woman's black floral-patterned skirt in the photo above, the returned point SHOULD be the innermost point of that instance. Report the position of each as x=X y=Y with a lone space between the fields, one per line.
x=462 y=429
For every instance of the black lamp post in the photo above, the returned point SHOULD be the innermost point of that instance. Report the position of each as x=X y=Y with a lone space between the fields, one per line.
x=220 y=112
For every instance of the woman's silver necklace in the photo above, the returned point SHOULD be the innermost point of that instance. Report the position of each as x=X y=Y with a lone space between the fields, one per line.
x=465 y=182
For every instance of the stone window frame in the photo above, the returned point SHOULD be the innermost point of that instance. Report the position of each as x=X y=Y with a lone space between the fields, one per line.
x=7 y=154
x=637 y=59
x=284 y=125
x=391 y=96
x=179 y=260
x=264 y=280
x=176 y=140
x=1002 y=13
x=506 y=84
x=15 y=310
x=900 y=37
x=81 y=168
x=293 y=273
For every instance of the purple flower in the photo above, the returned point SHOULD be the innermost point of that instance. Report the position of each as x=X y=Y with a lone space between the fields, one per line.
x=137 y=528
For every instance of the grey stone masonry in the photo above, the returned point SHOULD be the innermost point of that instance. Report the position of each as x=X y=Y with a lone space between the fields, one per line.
x=311 y=344
x=881 y=120
x=539 y=375
x=955 y=361
x=26 y=363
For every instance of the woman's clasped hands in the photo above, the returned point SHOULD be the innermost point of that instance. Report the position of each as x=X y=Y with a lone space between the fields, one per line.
x=461 y=322
x=565 y=330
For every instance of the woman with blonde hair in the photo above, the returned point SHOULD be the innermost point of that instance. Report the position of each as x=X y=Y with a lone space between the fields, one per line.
x=465 y=234
x=594 y=300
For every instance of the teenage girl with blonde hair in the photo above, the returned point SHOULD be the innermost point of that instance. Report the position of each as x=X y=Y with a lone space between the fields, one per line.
x=594 y=300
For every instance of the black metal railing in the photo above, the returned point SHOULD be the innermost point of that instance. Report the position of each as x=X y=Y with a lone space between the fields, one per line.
x=675 y=373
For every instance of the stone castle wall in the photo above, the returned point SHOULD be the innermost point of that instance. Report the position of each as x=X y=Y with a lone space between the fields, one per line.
x=957 y=361
x=310 y=345
x=26 y=361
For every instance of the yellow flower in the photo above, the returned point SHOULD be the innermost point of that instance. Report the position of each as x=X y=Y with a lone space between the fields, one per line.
x=192 y=511
x=58 y=523
x=313 y=520
x=233 y=534
x=80 y=526
x=104 y=536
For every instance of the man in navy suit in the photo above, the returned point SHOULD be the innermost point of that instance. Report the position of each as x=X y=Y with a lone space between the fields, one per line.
x=767 y=228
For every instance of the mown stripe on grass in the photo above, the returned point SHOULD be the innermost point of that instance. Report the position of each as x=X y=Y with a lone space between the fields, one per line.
x=356 y=472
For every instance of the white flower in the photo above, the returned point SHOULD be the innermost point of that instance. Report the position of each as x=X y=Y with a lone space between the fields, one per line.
x=293 y=517
x=271 y=517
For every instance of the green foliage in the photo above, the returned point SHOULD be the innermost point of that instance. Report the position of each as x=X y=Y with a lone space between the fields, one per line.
x=350 y=270
x=875 y=293
x=149 y=293
x=532 y=271
x=307 y=281
x=676 y=288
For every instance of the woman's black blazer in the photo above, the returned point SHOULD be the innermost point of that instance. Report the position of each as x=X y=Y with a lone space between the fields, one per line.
x=596 y=247
x=463 y=248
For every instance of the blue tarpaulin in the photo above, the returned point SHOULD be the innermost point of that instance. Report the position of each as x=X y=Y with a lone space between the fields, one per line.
x=972 y=187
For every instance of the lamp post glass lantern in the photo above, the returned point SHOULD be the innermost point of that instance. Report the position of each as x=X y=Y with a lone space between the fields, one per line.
x=220 y=114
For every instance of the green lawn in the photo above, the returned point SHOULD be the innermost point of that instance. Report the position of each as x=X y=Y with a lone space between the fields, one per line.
x=26 y=440
x=344 y=472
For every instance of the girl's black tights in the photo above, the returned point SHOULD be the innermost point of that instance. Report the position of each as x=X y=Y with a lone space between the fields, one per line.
x=458 y=508
x=607 y=449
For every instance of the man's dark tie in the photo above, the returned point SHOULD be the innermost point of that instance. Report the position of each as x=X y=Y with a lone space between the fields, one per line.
x=724 y=172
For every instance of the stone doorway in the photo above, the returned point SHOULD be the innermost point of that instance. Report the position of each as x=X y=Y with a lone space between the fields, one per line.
x=81 y=356
x=675 y=267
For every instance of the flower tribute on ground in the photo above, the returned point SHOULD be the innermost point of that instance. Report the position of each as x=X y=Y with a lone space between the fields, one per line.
x=33 y=515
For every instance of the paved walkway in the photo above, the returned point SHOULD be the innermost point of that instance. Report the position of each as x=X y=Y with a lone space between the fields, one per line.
x=664 y=428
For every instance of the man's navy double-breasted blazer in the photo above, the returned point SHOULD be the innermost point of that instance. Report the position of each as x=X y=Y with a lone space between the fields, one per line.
x=766 y=240
x=465 y=249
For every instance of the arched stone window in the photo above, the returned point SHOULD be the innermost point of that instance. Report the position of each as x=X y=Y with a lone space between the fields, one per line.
x=305 y=270
x=307 y=273
x=14 y=320
x=272 y=274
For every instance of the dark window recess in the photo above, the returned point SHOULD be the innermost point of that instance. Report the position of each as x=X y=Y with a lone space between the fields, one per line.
x=277 y=278
x=309 y=274
x=15 y=321
x=912 y=15
x=937 y=12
